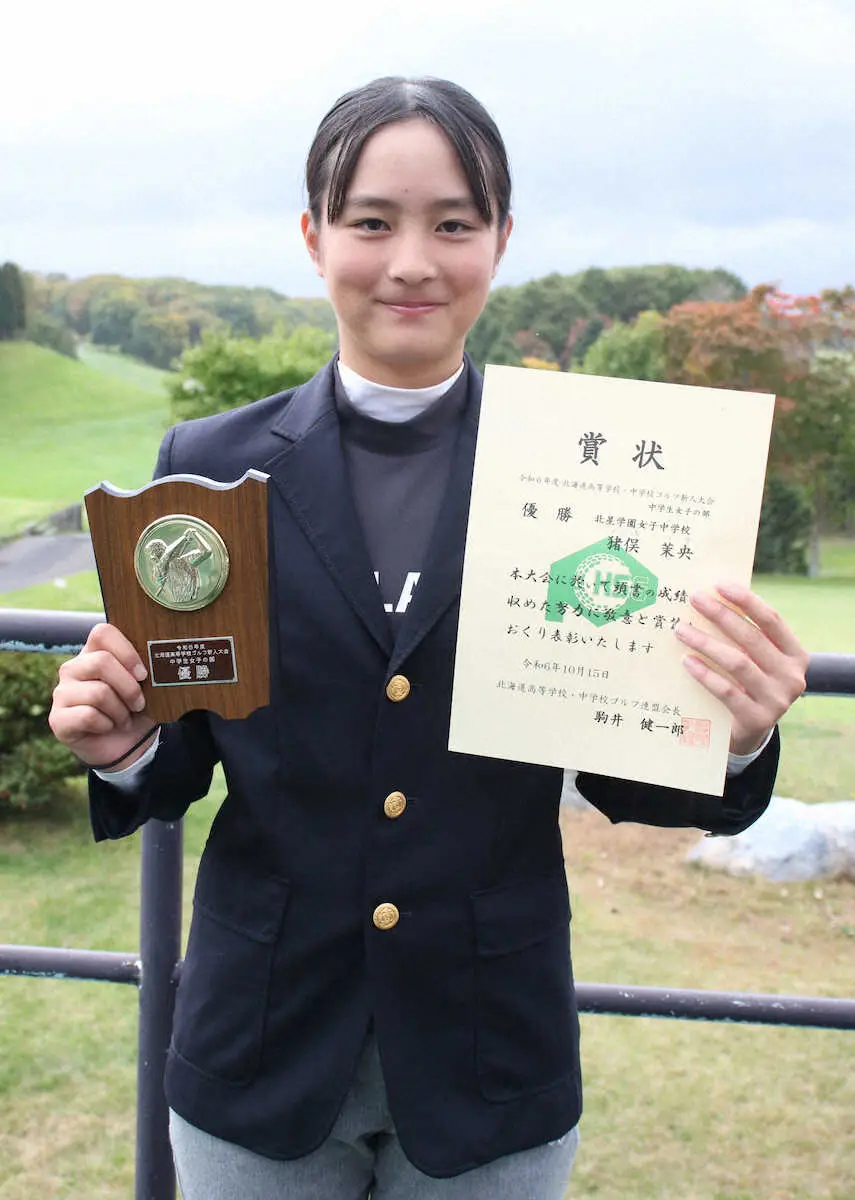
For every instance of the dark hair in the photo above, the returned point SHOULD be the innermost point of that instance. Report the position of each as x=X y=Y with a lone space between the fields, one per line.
x=358 y=114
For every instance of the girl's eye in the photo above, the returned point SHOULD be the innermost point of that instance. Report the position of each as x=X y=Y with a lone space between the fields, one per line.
x=371 y=225
x=453 y=227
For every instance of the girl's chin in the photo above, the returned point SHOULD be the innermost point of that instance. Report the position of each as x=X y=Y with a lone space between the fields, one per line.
x=409 y=365
x=416 y=345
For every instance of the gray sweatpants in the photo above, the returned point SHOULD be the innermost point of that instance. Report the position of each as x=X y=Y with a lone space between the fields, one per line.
x=361 y=1158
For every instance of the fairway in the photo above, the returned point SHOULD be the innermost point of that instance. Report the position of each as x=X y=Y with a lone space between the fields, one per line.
x=65 y=428
x=121 y=366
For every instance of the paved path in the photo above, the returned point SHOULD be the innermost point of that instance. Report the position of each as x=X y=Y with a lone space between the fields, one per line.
x=31 y=560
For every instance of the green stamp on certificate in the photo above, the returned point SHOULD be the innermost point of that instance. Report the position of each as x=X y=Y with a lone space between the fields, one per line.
x=600 y=583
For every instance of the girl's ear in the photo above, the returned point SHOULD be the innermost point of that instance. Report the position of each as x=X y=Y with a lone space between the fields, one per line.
x=312 y=240
x=502 y=244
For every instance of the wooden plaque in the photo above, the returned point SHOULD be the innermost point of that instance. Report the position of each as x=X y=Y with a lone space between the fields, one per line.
x=183 y=569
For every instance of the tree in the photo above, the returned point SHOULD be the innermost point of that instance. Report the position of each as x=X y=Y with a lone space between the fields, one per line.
x=491 y=338
x=736 y=344
x=549 y=308
x=112 y=317
x=786 y=521
x=628 y=351
x=623 y=293
x=799 y=347
x=47 y=331
x=583 y=333
x=814 y=439
x=568 y=313
x=157 y=338
x=225 y=372
x=13 y=308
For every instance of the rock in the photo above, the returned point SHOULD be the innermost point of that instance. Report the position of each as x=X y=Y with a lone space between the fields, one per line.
x=791 y=842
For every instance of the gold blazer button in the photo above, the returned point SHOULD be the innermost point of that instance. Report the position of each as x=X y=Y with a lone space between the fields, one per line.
x=398 y=688
x=386 y=916
x=394 y=804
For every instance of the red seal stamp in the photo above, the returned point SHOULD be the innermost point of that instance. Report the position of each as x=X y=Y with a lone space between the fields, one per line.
x=696 y=733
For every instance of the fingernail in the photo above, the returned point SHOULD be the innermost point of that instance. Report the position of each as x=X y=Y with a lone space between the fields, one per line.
x=140 y=672
x=139 y=704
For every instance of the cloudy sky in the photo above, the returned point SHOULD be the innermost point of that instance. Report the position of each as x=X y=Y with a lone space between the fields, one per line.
x=169 y=138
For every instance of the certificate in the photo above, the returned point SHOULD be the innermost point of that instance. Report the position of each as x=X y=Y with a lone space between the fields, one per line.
x=598 y=507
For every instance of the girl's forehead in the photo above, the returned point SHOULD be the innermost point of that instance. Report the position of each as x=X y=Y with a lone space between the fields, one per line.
x=409 y=154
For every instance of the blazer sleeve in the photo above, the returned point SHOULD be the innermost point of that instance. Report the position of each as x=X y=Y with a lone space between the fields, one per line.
x=746 y=797
x=180 y=773
x=181 y=770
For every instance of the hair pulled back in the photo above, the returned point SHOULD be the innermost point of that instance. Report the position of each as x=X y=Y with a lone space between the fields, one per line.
x=358 y=114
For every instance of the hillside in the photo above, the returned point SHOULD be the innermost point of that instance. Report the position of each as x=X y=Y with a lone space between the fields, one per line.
x=65 y=427
x=121 y=366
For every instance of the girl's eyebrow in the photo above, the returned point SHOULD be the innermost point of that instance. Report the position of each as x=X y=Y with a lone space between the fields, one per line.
x=464 y=202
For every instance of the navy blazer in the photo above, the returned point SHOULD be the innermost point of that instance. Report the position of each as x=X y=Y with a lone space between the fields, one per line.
x=471 y=992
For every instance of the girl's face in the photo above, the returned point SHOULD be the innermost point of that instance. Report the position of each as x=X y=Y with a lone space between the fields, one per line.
x=408 y=263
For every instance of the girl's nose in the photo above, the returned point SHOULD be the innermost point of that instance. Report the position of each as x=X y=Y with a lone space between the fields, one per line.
x=411 y=261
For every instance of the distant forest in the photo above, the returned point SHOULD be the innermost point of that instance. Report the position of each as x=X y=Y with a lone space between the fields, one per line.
x=554 y=319
x=156 y=320
x=229 y=345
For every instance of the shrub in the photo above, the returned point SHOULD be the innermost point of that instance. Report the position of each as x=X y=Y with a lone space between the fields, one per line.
x=33 y=764
x=225 y=372
x=47 y=331
x=786 y=521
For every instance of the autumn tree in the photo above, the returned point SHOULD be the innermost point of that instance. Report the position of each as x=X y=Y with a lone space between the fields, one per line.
x=799 y=347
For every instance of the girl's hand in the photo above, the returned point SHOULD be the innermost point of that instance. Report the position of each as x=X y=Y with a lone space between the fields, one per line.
x=98 y=703
x=755 y=664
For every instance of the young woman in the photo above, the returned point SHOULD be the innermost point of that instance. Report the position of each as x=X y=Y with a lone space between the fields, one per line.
x=377 y=995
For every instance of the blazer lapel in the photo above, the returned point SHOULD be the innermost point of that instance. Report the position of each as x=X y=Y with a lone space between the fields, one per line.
x=310 y=474
x=441 y=577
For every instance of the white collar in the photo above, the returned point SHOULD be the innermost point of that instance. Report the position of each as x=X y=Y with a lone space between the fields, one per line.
x=392 y=404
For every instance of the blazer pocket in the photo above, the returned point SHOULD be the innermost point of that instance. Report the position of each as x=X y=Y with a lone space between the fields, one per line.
x=526 y=1028
x=221 y=1006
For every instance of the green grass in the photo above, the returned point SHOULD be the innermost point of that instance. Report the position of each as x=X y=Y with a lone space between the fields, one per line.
x=692 y=1111
x=704 y=1111
x=65 y=428
x=818 y=755
x=121 y=366
x=81 y=593
x=68 y=1050
x=17 y=514
x=837 y=558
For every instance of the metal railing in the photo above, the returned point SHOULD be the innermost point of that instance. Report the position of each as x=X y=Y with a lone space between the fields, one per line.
x=156 y=968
